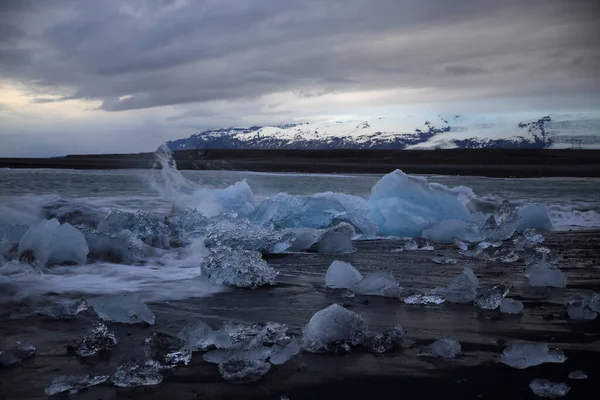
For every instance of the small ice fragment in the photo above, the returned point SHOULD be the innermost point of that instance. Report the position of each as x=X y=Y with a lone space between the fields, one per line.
x=427 y=246
x=238 y=336
x=243 y=370
x=424 y=299
x=390 y=339
x=166 y=351
x=23 y=350
x=378 y=284
x=579 y=310
x=525 y=355
x=96 y=340
x=197 y=335
x=511 y=306
x=551 y=390
x=444 y=260
x=342 y=275
x=578 y=374
x=348 y=294
x=124 y=308
x=66 y=311
x=462 y=290
x=73 y=383
x=133 y=374
x=68 y=246
x=332 y=328
x=503 y=225
x=238 y=268
x=337 y=239
x=542 y=274
x=282 y=354
x=443 y=348
x=490 y=297
x=461 y=245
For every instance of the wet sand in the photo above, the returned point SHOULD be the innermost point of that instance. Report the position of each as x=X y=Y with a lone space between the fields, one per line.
x=300 y=292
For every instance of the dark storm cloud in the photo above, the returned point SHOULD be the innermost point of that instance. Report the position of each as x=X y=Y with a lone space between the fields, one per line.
x=149 y=53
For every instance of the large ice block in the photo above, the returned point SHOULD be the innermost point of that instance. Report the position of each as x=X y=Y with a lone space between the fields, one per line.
x=68 y=246
x=36 y=243
x=237 y=197
x=332 y=328
x=239 y=268
x=534 y=216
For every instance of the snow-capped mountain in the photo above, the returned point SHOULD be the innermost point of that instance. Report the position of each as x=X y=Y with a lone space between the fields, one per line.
x=410 y=132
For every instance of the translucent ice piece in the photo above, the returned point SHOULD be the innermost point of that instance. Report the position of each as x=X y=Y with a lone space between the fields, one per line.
x=197 y=335
x=281 y=354
x=132 y=374
x=511 y=306
x=150 y=229
x=166 y=351
x=124 y=308
x=237 y=197
x=337 y=239
x=96 y=340
x=424 y=299
x=460 y=244
x=444 y=260
x=68 y=246
x=36 y=243
x=238 y=336
x=443 y=348
x=73 y=383
x=542 y=274
x=551 y=390
x=239 y=268
x=390 y=339
x=534 y=216
x=578 y=375
x=243 y=370
x=462 y=290
x=490 y=297
x=378 y=284
x=331 y=328
x=342 y=275
x=449 y=229
x=579 y=310
x=525 y=355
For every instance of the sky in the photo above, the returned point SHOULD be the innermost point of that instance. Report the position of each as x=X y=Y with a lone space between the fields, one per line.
x=109 y=76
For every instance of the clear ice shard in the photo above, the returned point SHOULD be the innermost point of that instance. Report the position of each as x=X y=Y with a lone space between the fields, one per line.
x=404 y=206
x=342 y=275
x=449 y=229
x=389 y=339
x=197 y=335
x=333 y=328
x=21 y=351
x=133 y=374
x=68 y=246
x=238 y=268
x=166 y=351
x=503 y=225
x=578 y=375
x=281 y=354
x=237 y=370
x=238 y=336
x=124 y=308
x=525 y=355
x=66 y=311
x=579 y=310
x=337 y=239
x=444 y=260
x=378 y=284
x=534 y=216
x=511 y=306
x=551 y=390
x=490 y=297
x=543 y=274
x=97 y=339
x=150 y=229
x=462 y=290
x=73 y=383
x=443 y=348
x=422 y=299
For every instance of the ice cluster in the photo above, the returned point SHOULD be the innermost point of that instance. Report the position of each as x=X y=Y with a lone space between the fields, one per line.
x=96 y=340
x=133 y=374
x=236 y=267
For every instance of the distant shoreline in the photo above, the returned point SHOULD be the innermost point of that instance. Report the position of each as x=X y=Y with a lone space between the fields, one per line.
x=509 y=163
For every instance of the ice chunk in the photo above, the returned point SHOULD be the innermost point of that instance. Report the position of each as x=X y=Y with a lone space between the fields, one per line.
x=504 y=255
x=150 y=229
x=257 y=353
x=133 y=374
x=424 y=299
x=542 y=274
x=528 y=239
x=337 y=239
x=239 y=268
x=197 y=335
x=166 y=351
x=378 y=284
x=503 y=225
x=403 y=205
x=281 y=354
x=511 y=306
x=66 y=311
x=449 y=229
x=342 y=275
x=460 y=244
x=534 y=216
x=96 y=340
x=444 y=260
x=120 y=248
x=525 y=355
x=390 y=339
x=237 y=197
x=36 y=244
x=73 y=383
x=124 y=308
x=578 y=375
x=68 y=246
x=551 y=390
x=303 y=238
x=490 y=297
x=579 y=310
x=592 y=300
x=462 y=290
x=22 y=351
x=238 y=336
x=243 y=370
x=333 y=328
x=443 y=348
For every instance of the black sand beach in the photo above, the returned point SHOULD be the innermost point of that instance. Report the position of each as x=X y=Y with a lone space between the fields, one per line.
x=300 y=292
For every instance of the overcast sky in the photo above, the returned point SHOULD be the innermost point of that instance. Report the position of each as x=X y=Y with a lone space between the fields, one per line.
x=126 y=75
